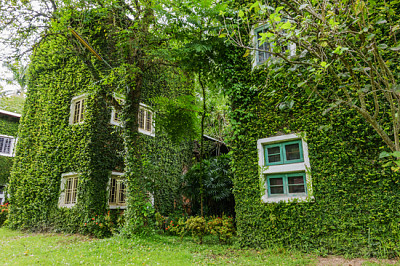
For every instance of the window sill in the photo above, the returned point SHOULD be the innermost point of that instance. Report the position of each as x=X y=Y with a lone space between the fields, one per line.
x=6 y=155
x=114 y=207
x=69 y=206
x=286 y=199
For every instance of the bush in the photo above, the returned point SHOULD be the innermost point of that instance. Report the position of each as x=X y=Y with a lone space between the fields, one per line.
x=222 y=227
x=198 y=226
x=3 y=213
x=102 y=226
x=180 y=228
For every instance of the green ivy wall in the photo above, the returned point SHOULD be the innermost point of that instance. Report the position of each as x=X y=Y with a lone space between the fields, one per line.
x=49 y=146
x=8 y=127
x=356 y=207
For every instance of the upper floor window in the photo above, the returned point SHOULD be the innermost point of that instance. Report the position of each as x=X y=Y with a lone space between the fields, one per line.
x=6 y=145
x=145 y=119
x=77 y=110
x=283 y=153
x=264 y=49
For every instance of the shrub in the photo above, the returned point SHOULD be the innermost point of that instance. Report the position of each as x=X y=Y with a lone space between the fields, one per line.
x=160 y=221
x=198 y=226
x=102 y=226
x=223 y=227
x=3 y=213
x=180 y=228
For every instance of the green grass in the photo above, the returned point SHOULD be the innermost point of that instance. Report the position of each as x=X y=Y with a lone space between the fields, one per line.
x=44 y=249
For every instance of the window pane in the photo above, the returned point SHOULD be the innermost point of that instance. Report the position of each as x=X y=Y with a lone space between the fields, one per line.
x=113 y=193
x=297 y=189
x=77 y=112
x=141 y=118
x=148 y=120
x=262 y=55
x=274 y=154
x=295 y=180
x=82 y=111
x=277 y=190
x=74 y=186
x=121 y=197
x=292 y=151
x=276 y=181
x=1 y=144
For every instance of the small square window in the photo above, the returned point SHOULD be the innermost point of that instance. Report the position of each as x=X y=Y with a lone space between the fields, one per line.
x=293 y=184
x=283 y=153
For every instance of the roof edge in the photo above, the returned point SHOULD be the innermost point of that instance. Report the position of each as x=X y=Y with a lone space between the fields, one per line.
x=10 y=113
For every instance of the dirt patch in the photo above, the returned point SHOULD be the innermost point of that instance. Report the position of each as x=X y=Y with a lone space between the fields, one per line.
x=331 y=260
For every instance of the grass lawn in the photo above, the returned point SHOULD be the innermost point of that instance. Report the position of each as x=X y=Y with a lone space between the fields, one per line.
x=49 y=249
x=44 y=249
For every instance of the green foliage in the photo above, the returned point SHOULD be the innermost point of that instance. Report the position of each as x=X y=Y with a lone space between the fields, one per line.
x=355 y=211
x=8 y=127
x=198 y=227
x=222 y=227
x=217 y=180
x=50 y=146
x=12 y=103
x=48 y=249
x=99 y=226
x=180 y=228
x=177 y=117
x=3 y=213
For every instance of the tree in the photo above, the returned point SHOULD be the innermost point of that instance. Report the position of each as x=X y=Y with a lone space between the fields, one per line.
x=346 y=52
x=19 y=78
x=131 y=40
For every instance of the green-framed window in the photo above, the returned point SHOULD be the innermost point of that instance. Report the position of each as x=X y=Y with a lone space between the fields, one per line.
x=284 y=153
x=262 y=52
x=290 y=184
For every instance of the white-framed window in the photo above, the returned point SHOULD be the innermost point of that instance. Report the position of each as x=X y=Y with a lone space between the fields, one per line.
x=285 y=172
x=69 y=188
x=117 y=191
x=7 y=144
x=77 y=109
x=263 y=50
x=145 y=119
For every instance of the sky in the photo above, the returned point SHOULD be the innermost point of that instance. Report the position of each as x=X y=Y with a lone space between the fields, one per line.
x=4 y=72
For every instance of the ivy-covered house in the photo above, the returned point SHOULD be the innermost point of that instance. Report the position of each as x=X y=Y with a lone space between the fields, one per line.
x=305 y=175
x=71 y=157
x=9 y=122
